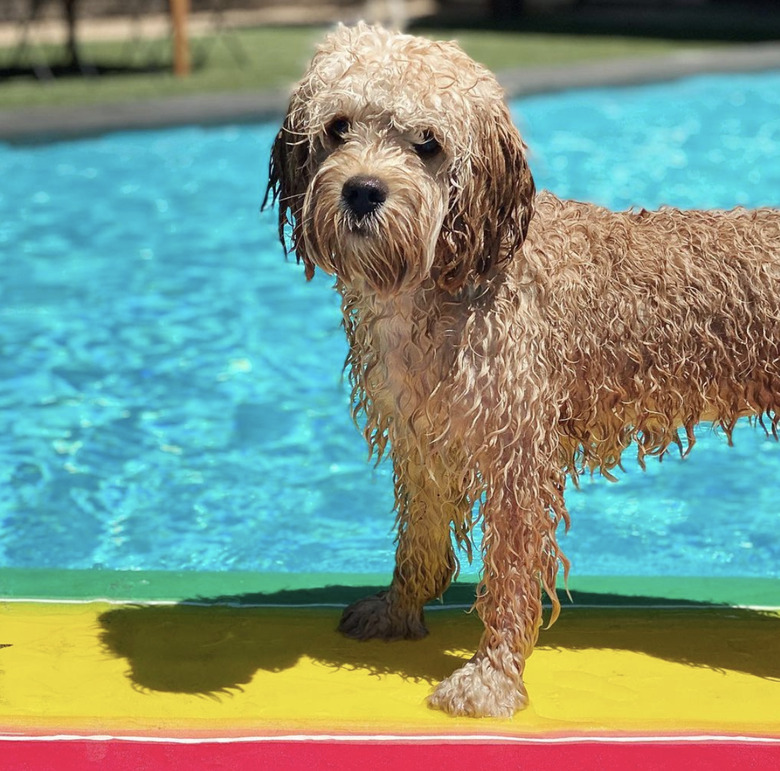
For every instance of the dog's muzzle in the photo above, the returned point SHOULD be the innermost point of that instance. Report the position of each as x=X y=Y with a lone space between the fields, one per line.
x=363 y=195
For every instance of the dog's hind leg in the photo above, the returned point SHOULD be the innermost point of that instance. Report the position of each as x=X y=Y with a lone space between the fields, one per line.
x=425 y=559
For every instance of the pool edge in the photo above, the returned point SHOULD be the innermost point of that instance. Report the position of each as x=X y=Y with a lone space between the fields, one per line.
x=321 y=589
x=62 y=123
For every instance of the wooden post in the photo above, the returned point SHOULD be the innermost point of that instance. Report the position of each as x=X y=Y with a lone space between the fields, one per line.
x=180 y=10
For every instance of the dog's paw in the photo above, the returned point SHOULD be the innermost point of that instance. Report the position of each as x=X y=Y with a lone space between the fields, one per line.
x=377 y=618
x=477 y=689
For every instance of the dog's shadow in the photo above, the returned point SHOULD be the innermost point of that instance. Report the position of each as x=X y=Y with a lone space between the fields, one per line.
x=212 y=647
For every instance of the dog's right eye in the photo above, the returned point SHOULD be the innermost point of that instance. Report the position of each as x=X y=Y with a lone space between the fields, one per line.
x=429 y=147
x=337 y=129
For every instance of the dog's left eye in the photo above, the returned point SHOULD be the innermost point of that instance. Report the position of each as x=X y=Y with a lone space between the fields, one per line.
x=428 y=147
x=337 y=128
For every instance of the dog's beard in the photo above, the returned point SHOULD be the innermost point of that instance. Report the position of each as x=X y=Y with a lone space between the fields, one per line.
x=384 y=251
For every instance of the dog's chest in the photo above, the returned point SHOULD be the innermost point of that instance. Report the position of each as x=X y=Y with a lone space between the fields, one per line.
x=423 y=371
x=410 y=363
x=400 y=358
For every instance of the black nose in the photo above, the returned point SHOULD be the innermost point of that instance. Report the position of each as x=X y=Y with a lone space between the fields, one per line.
x=363 y=195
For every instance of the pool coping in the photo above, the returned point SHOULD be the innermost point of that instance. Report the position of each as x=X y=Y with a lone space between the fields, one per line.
x=41 y=124
x=338 y=589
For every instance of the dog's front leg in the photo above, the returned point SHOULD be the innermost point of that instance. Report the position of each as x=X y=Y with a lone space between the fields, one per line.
x=521 y=557
x=425 y=560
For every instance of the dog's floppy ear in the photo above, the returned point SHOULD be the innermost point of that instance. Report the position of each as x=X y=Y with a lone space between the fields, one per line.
x=288 y=174
x=491 y=203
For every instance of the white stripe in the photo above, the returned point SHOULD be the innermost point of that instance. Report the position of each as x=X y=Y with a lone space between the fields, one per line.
x=672 y=604
x=402 y=739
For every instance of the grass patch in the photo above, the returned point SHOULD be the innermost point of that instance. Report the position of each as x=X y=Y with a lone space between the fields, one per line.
x=274 y=58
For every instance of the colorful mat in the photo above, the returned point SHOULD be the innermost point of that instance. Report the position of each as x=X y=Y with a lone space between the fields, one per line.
x=212 y=682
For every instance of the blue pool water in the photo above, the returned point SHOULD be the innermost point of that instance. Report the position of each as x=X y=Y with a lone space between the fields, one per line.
x=170 y=387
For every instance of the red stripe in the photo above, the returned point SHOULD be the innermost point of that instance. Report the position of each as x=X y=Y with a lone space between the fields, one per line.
x=78 y=755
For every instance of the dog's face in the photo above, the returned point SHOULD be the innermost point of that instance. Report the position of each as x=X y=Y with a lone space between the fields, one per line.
x=398 y=162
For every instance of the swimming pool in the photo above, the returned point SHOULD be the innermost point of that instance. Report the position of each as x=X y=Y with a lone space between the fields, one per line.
x=170 y=389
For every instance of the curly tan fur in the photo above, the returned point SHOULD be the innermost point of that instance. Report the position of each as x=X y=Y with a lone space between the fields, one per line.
x=501 y=341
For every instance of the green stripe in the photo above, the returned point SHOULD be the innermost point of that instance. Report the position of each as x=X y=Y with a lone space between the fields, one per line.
x=335 y=588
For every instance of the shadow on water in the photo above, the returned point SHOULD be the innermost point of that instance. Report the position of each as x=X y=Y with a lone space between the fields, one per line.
x=213 y=647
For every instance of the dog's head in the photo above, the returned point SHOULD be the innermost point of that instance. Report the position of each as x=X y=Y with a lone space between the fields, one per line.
x=398 y=161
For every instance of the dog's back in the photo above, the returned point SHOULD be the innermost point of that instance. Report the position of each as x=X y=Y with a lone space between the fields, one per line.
x=662 y=319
